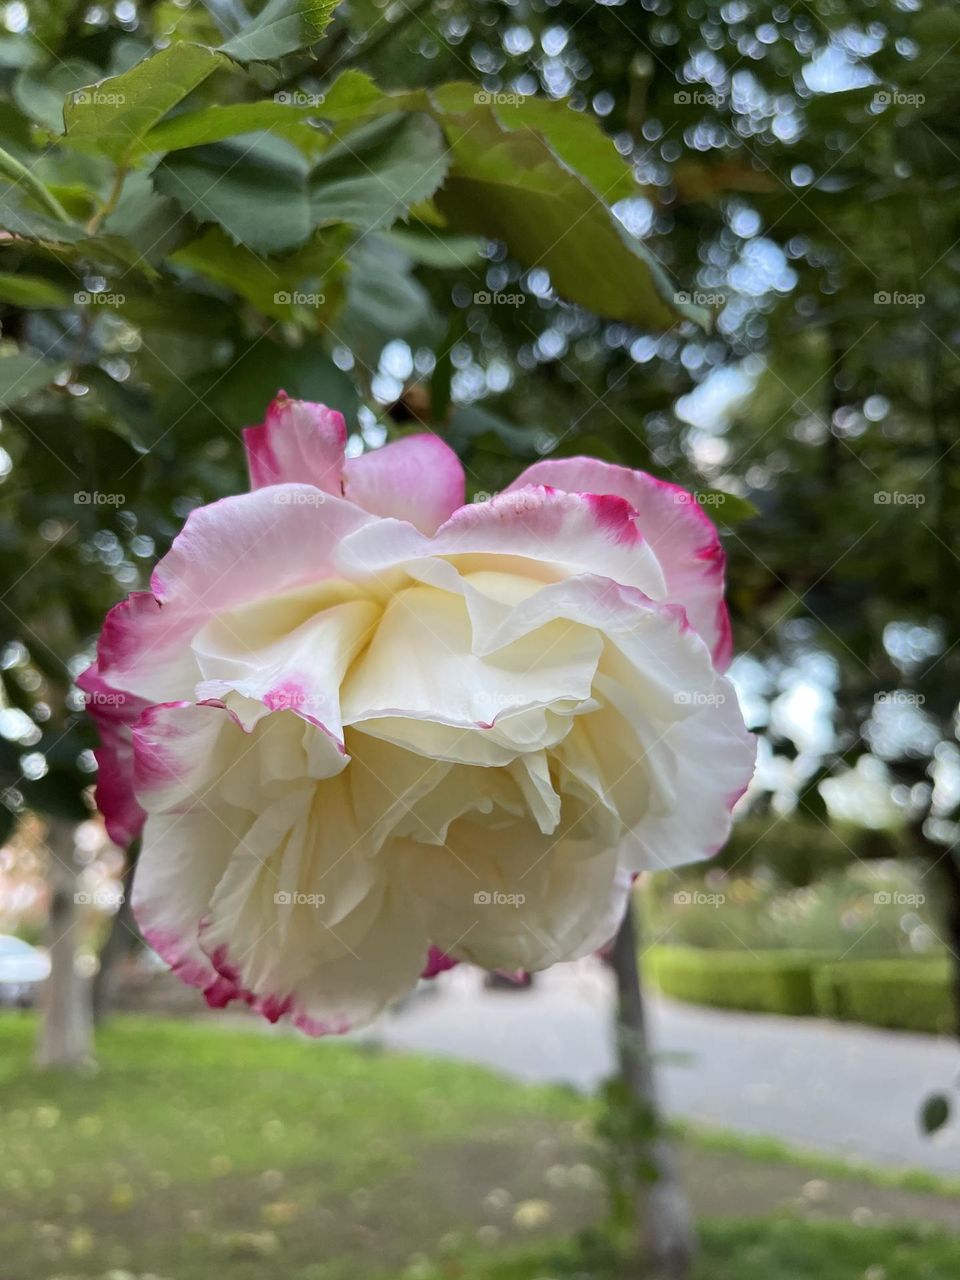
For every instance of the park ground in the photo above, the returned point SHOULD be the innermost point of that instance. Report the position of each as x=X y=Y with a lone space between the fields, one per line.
x=200 y=1149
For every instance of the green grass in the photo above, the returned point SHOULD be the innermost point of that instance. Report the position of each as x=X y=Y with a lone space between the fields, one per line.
x=201 y=1151
x=762 y=1249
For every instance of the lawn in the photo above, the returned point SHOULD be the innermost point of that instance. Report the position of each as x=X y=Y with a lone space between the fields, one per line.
x=200 y=1150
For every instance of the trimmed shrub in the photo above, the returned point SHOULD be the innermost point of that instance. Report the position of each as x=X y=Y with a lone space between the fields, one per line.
x=763 y=981
x=909 y=994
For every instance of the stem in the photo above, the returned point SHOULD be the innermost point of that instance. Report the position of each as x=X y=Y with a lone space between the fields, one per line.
x=19 y=172
x=119 y=178
x=664 y=1240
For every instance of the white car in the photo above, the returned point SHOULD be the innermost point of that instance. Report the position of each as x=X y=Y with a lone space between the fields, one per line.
x=22 y=969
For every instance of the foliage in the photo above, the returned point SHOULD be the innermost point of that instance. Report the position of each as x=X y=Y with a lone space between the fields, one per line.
x=189 y=223
x=907 y=995
x=880 y=908
x=761 y=982
x=910 y=995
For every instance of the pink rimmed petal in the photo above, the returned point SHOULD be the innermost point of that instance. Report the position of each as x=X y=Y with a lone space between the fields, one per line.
x=114 y=712
x=300 y=442
x=418 y=479
x=229 y=554
x=555 y=533
x=438 y=962
x=681 y=534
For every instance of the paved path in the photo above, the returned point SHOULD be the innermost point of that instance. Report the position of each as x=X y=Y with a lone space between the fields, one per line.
x=850 y=1091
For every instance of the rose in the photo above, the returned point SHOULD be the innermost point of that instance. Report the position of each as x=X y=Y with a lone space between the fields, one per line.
x=372 y=727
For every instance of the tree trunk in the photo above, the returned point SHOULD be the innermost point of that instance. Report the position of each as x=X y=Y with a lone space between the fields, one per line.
x=664 y=1244
x=66 y=1027
x=122 y=937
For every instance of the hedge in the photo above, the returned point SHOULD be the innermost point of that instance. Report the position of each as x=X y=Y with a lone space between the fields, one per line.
x=910 y=995
x=907 y=994
x=764 y=982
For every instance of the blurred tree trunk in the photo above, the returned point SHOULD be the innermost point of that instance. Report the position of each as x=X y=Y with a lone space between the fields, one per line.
x=66 y=1026
x=121 y=940
x=664 y=1245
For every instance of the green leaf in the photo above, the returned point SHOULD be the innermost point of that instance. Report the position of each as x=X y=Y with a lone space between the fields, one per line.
x=934 y=1113
x=374 y=175
x=384 y=301
x=40 y=95
x=151 y=225
x=510 y=185
x=22 y=372
x=429 y=249
x=282 y=27
x=285 y=288
x=268 y=196
x=575 y=136
x=113 y=115
x=725 y=508
x=213 y=124
x=32 y=291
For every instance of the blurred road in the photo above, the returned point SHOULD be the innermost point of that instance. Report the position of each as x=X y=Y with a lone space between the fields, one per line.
x=849 y=1091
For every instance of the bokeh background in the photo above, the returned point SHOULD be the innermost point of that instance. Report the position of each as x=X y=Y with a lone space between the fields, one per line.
x=794 y=170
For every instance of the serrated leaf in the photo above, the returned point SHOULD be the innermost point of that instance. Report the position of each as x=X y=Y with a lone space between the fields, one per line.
x=575 y=136
x=934 y=1113
x=113 y=115
x=63 y=239
x=281 y=27
x=285 y=288
x=31 y=291
x=214 y=124
x=40 y=95
x=22 y=372
x=268 y=196
x=510 y=185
